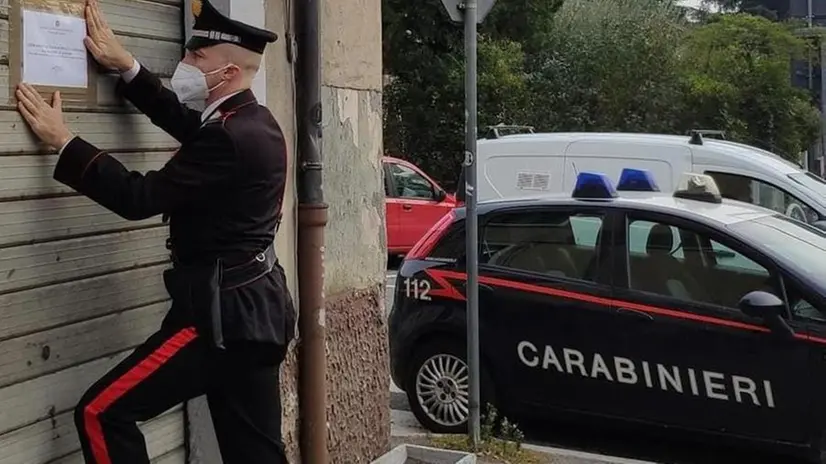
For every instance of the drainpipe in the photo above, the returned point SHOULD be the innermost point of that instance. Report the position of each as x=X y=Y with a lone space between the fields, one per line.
x=312 y=218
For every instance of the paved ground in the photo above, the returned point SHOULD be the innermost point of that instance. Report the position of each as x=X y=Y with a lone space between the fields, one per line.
x=592 y=444
x=404 y=425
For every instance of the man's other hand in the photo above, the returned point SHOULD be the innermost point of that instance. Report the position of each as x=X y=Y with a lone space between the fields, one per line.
x=102 y=43
x=45 y=120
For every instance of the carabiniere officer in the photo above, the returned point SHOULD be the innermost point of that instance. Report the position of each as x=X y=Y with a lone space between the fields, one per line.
x=232 y=316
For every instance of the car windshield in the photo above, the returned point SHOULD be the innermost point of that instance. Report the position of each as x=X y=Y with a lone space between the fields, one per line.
x=812 y=182
x=795 y=241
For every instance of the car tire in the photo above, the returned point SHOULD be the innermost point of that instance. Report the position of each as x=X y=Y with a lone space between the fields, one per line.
x=443 y=388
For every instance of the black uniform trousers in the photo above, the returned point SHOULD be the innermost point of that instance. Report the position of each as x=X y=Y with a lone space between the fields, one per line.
x=173 y=365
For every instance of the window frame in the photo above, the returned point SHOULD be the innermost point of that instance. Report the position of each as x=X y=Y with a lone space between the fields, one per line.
x=622 y=280
x=389 y=185
x=604 y=275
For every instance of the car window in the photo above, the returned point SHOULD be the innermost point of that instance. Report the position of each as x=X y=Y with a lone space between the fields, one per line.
x=586 y=230
x=800 y=306
x=558 y=244
x=411 y=184
x=667 y=260
x=638 y=234
x=452 y=244
x=730 y=259
x=761 y=193
x=802 y=309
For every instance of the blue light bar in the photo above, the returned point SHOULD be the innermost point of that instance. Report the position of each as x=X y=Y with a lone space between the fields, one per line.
x=593 y=185
x=637 y=180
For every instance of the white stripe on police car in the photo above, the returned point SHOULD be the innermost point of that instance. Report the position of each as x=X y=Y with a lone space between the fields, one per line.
x=710 y=384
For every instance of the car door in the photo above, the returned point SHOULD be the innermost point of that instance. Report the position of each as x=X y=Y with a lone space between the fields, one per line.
x=544 y=280
x=808 y=308
x=418 y=203
x=699 y=361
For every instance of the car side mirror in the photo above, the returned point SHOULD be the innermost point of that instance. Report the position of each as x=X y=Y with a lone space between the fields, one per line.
x=821 y=224
x=440 y=195
x=768 y=307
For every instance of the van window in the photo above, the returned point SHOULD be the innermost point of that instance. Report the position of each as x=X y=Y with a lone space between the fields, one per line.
x=757 y=192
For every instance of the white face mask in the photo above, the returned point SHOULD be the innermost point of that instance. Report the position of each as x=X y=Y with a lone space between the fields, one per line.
x=190 y=85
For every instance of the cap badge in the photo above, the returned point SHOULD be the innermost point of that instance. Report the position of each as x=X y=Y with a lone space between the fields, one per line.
x=197 y=5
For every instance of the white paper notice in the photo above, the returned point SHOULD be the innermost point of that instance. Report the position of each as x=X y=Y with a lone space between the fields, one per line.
x=53 y=50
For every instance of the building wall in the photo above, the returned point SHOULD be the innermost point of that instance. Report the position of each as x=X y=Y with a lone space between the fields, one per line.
x=355 y=242
x=80 y=286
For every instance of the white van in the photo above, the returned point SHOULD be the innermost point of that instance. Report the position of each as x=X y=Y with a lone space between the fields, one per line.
x=523 y=165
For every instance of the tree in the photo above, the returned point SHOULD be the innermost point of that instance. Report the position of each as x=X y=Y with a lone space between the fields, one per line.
x=737 y=78
x=424 y=62
x=609 y=65
x=591 y=65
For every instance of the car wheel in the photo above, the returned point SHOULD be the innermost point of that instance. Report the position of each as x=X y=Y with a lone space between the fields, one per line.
x=438 y=387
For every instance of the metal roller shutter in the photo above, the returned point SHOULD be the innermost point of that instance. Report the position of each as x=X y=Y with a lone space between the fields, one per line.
x=79 y=286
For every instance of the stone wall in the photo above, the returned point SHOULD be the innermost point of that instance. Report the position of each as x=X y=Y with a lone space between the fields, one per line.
x=355 y=260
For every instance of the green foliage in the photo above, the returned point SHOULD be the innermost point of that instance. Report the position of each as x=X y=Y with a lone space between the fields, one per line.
x=736 y=76
x=590 y=65
x=608 y=65
x=500 y=440
x=424 y=53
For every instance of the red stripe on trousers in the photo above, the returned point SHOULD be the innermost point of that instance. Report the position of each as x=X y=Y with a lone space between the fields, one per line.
x=123 y=384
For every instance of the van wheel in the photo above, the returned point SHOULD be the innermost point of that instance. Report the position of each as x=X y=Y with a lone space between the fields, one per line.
x=438 y=386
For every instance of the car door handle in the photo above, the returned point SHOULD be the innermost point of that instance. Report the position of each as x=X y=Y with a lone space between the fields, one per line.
x=407 y=207
x=635 y=313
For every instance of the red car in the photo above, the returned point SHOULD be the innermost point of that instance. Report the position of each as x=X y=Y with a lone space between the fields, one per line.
x=414 y=203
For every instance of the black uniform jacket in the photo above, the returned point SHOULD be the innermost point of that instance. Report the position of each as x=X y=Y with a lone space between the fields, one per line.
x=222 y=192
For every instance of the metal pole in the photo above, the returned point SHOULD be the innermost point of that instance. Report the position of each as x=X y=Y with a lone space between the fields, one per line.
x=474 y=422
x=312 y=218
x=811 y=73
x=822 y=97
x=809 y=19
x=810 y=14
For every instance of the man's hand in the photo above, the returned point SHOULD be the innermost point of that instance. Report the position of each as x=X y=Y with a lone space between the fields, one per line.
x=102 y=43
x=45 y=120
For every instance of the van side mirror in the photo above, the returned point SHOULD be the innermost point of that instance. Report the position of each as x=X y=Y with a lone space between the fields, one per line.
x=768 y=307
x=440 y=195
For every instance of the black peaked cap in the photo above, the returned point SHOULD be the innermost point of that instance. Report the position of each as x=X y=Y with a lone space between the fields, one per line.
x=212 y=28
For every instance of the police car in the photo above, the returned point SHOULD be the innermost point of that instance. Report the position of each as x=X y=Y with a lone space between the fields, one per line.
x=684 y=310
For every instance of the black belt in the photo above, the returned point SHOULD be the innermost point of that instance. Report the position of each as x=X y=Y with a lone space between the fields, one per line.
x=242 y=274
